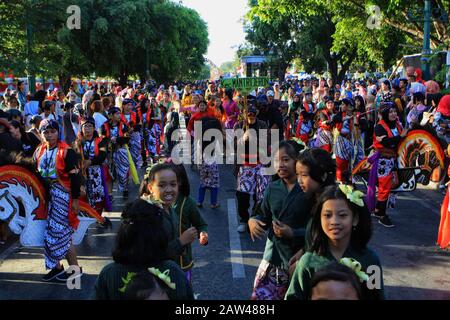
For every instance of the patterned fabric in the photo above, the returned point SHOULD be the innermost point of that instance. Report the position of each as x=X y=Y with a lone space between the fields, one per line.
x=358 y=152
x=271 y=283
x=209 y=175
x=154 y=141
x=94 y=186
x=89 y=149
x=58 y=234
x=384 y=172
x=135 y=148
x=324 y=137
x=385 y=166
x=343 y=148
x=251 y=180
x=121 y=168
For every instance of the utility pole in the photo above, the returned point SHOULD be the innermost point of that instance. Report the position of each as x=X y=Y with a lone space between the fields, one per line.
x=426 y=52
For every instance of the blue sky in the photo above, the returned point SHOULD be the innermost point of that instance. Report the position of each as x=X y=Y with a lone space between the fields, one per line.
x=224 y=26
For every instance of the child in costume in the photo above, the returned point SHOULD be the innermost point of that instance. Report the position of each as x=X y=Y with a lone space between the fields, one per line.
x=93 y=150
x=133 y=121
x=116 y=131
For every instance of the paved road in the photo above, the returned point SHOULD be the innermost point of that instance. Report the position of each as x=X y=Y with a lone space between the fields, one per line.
x=414 y=268
x=224 y=269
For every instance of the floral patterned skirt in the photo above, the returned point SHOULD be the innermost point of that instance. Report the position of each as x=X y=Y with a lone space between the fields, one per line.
x=209 y=175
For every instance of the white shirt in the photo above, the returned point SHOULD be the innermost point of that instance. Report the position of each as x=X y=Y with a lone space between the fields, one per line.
x=99 y=120
x=51 y=116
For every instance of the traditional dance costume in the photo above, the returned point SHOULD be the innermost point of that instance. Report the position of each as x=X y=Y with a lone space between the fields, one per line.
x=59 y=167
x=386 y=162
x=132 y=120
x=250 y=179
x=95 y=150
x=120 y=165
x=343 y=147
x=324 y=134
x=305 y=124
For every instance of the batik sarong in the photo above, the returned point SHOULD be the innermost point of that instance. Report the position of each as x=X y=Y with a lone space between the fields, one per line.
x=95 y=191
x=271 y=282
x=135 y=148
x=324 y=138
x=58 y=234
x=209 y=175
x=251 y=180
x=121 y=168
x=154 y=142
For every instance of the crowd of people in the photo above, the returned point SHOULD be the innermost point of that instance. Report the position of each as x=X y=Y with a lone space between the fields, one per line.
x=86 y=139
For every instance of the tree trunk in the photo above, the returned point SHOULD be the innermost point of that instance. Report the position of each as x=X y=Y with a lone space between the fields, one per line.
x=65 y=80
x=123 y=79
x=333 y=69
x=282 y=71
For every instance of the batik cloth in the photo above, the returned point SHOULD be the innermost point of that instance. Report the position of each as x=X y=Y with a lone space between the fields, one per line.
x=343 y=148
x=209 y=175
x=271 y=282
x=324 y=137
x=121 y=168
x=95 y=191
x=154 y=141
x=251 y=180
x=384 y=173
x=58 y=234
x=135 y=147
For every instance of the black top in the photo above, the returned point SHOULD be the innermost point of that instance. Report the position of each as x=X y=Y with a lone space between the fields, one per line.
x=96 y=160
x=29 y=143
x=257 y=126
x=71 y=162
x=8 y=143
x=390 y=143
x=272 y=116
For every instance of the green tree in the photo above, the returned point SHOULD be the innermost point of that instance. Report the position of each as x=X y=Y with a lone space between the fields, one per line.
x=273 y=37
x=118 y=38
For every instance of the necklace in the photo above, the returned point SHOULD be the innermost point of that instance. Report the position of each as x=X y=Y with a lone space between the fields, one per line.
x=48 y=161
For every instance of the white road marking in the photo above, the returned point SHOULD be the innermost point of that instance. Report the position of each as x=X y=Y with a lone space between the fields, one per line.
x=237 y=262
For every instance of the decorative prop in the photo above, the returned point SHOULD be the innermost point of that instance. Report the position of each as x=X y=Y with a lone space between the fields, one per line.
x=417 y=156
x=23 y=199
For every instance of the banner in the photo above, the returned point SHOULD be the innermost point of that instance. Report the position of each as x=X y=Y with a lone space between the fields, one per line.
x=245 y=85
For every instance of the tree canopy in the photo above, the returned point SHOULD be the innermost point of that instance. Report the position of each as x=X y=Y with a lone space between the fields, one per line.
x=117 y=38
x=339 y=34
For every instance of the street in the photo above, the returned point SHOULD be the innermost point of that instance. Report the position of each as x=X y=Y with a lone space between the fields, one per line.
x=414 y=268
